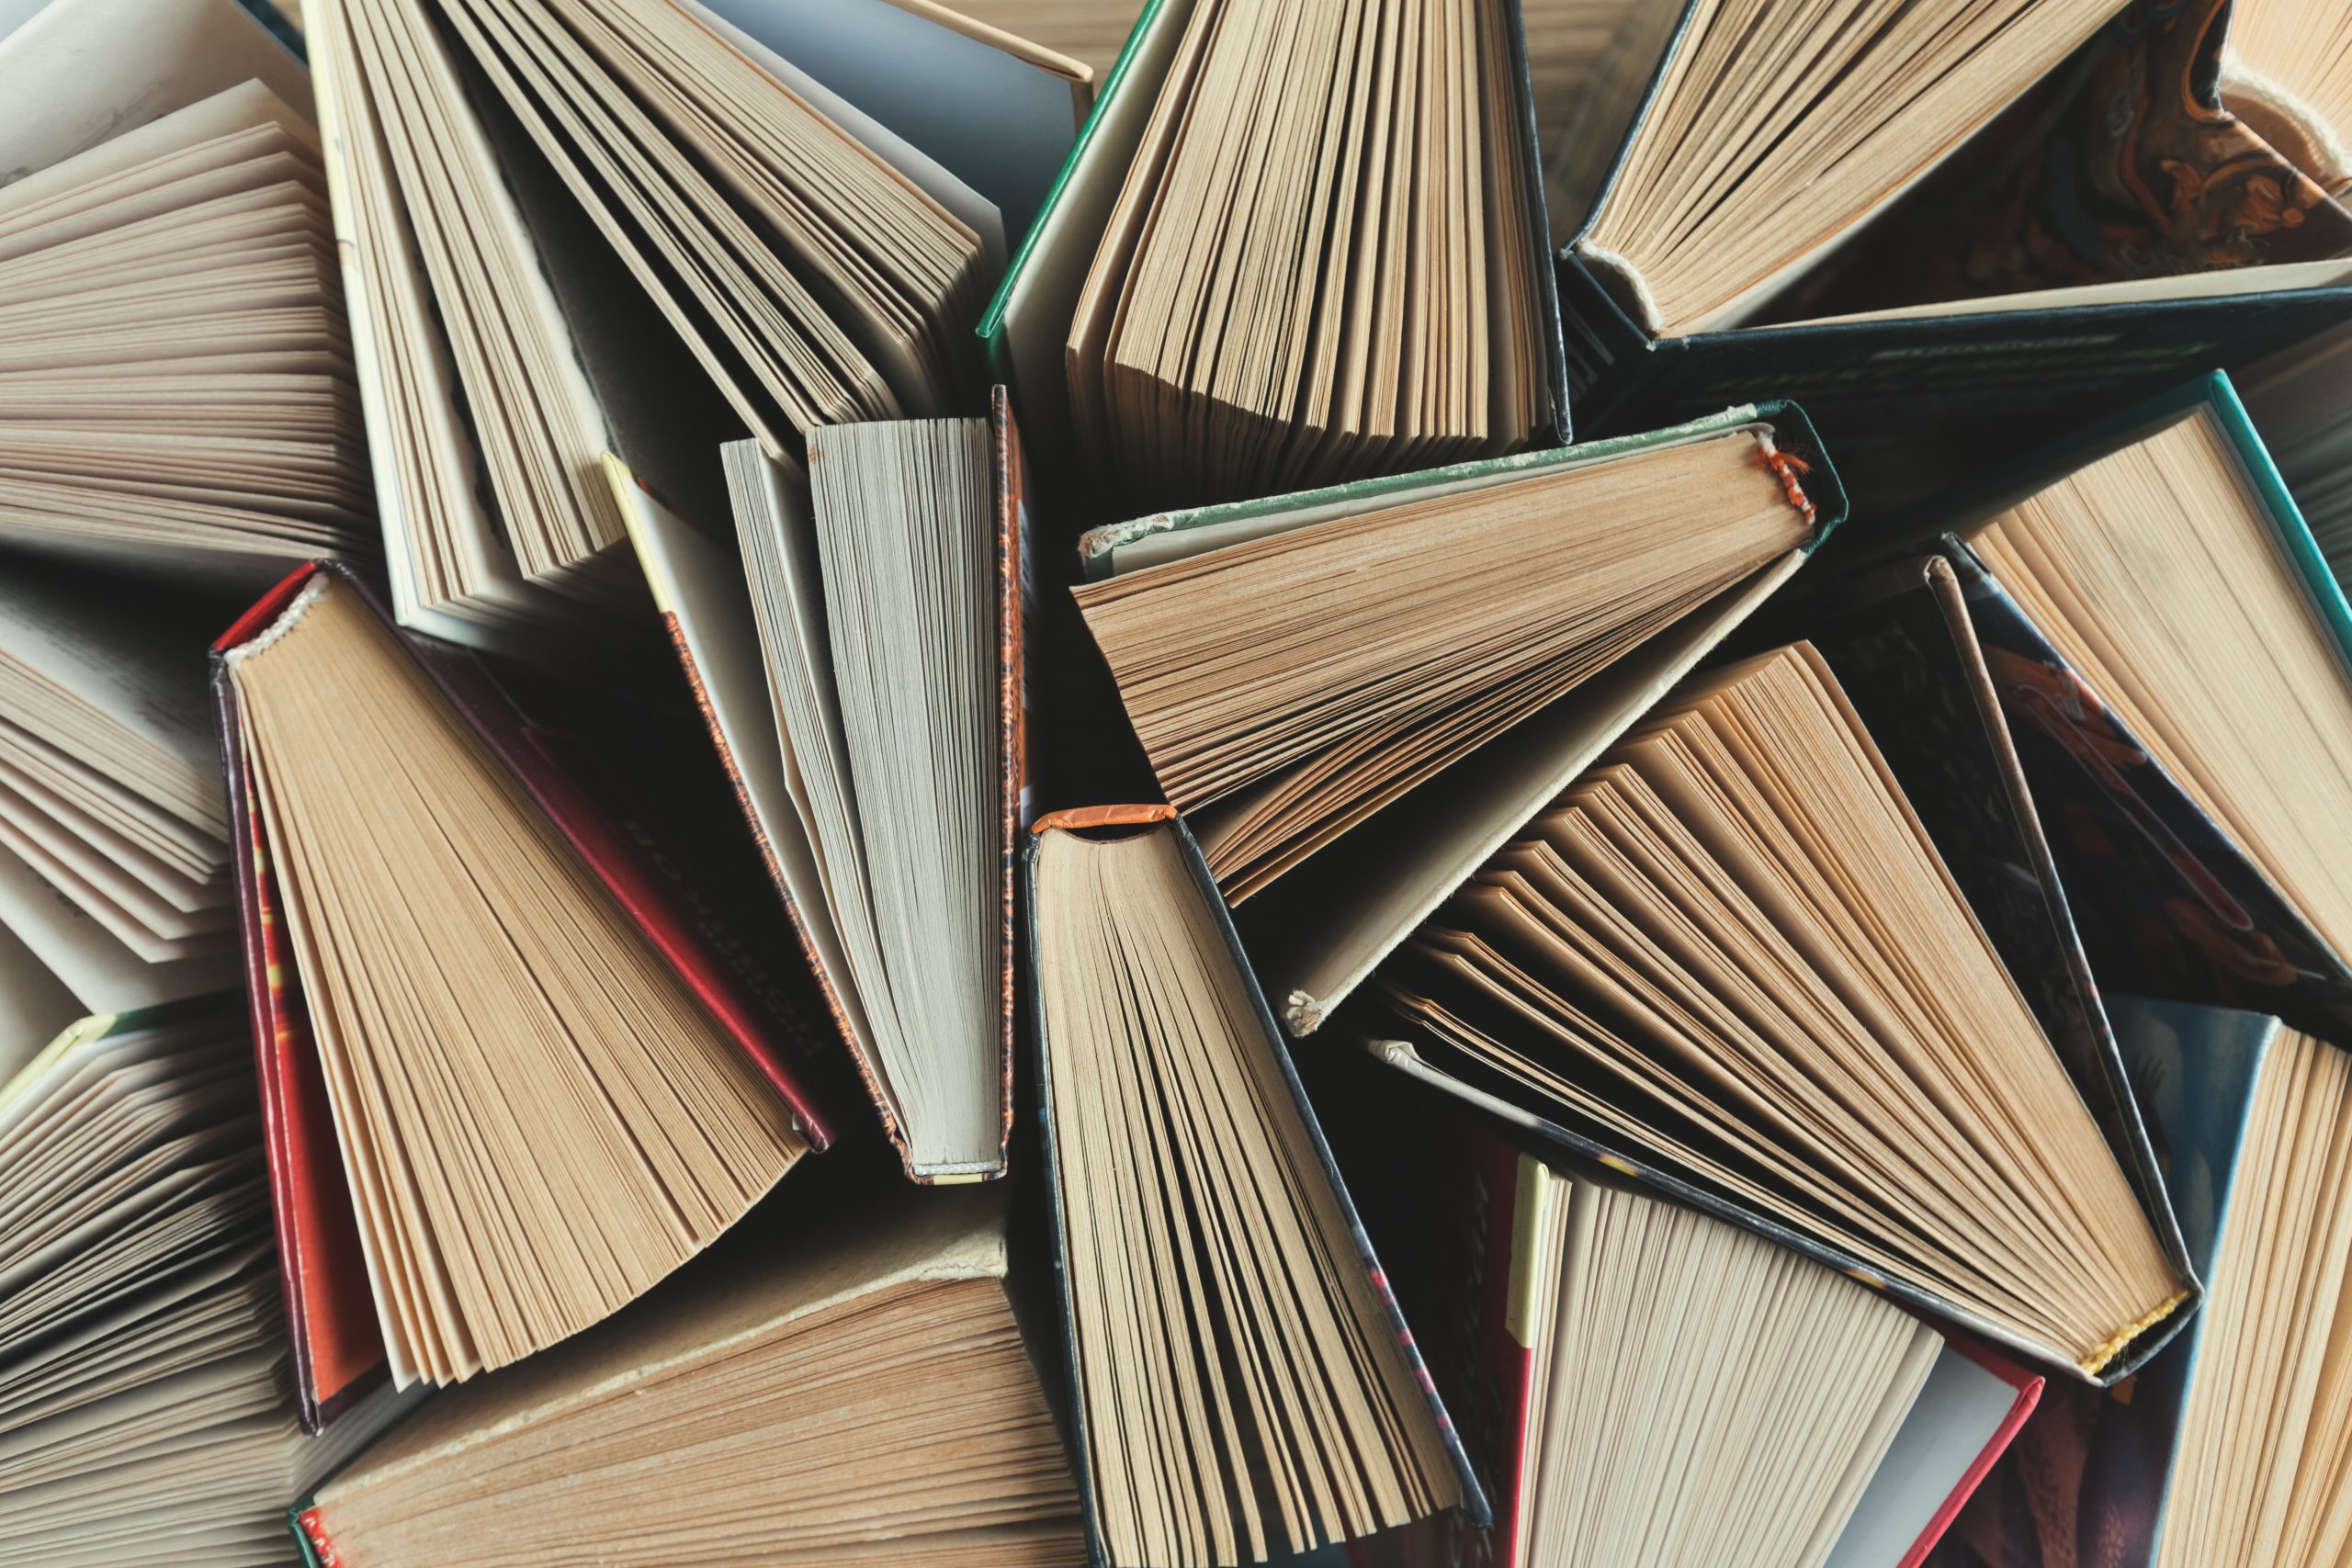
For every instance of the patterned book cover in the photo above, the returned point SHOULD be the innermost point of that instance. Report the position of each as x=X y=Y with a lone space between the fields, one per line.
x=2166 y=903
x=2123 y=163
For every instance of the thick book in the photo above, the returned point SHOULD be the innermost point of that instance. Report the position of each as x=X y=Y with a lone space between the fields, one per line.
x=1523 y=1353
x=1027 y=325
x=146 y=1410
x=1903 y=644
x=728 y=626
x=733 y=1039
x=177 y=391
x=1660 y=974
x=2014 y=265
x=845 y=1386
x=1190 y=1191
x=2226 y=1450
x=2194 y=877
x=1345 y=784
x=656 y=227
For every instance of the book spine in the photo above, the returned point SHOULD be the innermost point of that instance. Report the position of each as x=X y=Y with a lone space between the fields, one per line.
x=1014 y=593
x=310 y=1532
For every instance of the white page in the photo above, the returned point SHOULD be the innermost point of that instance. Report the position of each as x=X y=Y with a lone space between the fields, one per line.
x=699 y=585
x=1955 y=1415
x=35 y=1006
x=84 y=71
x=1002 y=126
x=102 y=973
x=146 y=680
x=978 y=213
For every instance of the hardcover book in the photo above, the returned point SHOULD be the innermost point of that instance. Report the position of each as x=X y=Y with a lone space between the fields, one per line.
x=647 y=228
x=1660 y=974
x=658 y=1072
x=2050 y=212
x=1206 y=1256
x=177 y=391
x=1083 y=241
x=921 y=994
x=2225 y=1450
x=1296 y=669
x=848 y=1391
x=2197 y=832
x=1534 y=1280
x=146 y=1410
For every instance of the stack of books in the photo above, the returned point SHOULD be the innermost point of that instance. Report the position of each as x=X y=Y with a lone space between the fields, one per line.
x=1170 y=784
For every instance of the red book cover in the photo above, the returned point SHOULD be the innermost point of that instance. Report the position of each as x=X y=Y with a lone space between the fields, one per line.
x=338 y=1345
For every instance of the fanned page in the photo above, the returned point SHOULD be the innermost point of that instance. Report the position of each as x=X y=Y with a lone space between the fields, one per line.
x=1776 y=129
x=876 y=601
x=1288 y=687
x=1733 y=947
x=109 y=774
x=485 y=429
x=519 y=179
x=709 y=1424
x=538 y=1118
x=1191 y=1189
x=632 y=101
x=1701 y=1397
x=2288 y=72
x=177 y=391
x=1335 y=278
x=146 y=1411
x=2160 y=575
x=2260 y=1474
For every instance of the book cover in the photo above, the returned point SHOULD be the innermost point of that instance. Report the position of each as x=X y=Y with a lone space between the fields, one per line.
x=331 y=1313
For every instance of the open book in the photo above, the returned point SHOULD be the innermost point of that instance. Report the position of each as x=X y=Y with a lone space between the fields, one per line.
x=1211 y=1267
x=1186 y=326
x=176 y=392
x=2181 y=597
x=1732 y=949
x=2229 y=1451
x=1626 y=1370
x=523 y=188
x=1304 y=675
x=114 y=834
x=1694 y=238
x=146 y=1407
x=507 y=1067
x=851 y=1393
x=857 y=655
